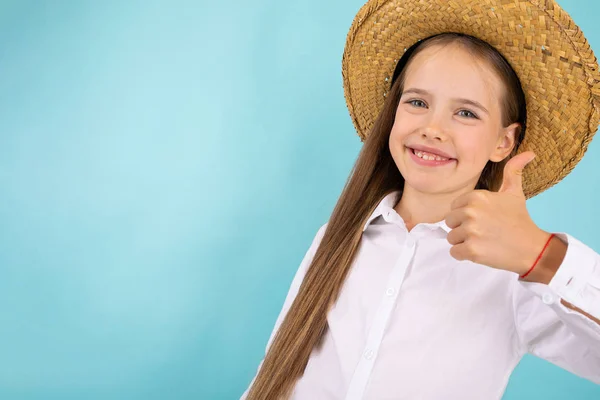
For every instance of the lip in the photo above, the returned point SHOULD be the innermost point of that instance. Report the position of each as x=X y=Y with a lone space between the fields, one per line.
x=431 y=150
x=428 y=163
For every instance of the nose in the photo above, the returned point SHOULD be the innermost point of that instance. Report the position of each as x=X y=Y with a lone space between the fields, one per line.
x=434 y=130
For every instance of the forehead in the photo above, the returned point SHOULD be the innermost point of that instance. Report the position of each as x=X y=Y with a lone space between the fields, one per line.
x=452 y=71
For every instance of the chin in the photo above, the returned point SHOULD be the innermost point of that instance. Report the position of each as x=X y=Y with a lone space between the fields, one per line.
x=426 y=184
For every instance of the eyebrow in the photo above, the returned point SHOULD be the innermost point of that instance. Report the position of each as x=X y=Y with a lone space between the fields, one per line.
x=461 y=100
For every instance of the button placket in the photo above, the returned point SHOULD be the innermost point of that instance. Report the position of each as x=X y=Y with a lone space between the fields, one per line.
x=364 y=368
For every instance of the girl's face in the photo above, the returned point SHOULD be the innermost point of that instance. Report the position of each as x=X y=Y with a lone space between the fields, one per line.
x=450 y=103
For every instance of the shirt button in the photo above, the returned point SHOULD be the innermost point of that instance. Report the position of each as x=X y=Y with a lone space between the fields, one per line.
x=390 y=291
x=369 y=354
x=410 y=242
x=548 y=298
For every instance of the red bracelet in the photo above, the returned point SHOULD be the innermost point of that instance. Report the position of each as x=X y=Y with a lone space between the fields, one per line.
x=539 y=256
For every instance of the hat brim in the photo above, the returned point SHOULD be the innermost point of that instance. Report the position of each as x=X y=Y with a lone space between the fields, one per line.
x=553 y=60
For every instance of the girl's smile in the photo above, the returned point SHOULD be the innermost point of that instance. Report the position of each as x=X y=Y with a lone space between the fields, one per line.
x=429 y=158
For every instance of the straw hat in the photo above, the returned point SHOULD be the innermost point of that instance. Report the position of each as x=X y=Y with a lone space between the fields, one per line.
x=556 y=66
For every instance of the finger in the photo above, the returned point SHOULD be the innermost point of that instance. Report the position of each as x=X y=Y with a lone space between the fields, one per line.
x=512 y=179
x=458 y=216
x=460 y=201
x=460 y=251
x=470 y=198
x=457 y=236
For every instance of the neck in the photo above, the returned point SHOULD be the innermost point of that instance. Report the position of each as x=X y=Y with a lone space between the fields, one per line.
x=417 y=207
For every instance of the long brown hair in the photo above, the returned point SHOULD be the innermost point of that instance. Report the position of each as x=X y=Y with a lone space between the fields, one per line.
x=373 y=176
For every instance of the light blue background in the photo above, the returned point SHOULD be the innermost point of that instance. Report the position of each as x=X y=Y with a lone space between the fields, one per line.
x=164 y=166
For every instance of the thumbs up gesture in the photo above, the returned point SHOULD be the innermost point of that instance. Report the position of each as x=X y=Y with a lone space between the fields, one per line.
x=494 y=228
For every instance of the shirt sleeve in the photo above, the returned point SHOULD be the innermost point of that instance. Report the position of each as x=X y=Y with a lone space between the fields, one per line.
x=550 y=330
x=291 y=295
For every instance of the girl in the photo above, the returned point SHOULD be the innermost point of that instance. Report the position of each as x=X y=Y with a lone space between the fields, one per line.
x=430 y=280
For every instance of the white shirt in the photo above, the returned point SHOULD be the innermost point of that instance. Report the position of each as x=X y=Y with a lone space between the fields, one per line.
x=411 y=322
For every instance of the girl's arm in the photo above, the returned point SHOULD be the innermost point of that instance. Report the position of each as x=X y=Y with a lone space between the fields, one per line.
x=557 y=311
x=552 y=260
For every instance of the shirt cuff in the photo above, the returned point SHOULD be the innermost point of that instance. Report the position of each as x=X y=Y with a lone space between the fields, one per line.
x=577 y=280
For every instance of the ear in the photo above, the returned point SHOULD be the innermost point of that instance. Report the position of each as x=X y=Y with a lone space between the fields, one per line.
x=506 y=142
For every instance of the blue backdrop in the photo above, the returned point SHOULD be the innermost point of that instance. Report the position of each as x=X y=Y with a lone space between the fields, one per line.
x=164 y=166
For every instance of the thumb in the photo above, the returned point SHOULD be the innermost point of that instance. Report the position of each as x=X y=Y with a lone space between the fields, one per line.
x=512 y=179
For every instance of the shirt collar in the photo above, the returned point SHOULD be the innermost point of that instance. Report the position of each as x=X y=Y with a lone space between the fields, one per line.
x=386 y=205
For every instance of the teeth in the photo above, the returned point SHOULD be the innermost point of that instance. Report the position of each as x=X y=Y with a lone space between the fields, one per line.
x=429 y=156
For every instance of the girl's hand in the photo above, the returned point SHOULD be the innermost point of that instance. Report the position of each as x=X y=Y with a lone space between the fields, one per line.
x=494 y=228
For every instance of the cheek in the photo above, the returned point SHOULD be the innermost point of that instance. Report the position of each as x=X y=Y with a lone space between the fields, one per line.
x=474 y=151
x=397 y=136
x=403 y=124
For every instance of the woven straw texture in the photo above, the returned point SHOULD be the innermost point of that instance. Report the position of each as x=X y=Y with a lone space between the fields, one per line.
x=556 y=66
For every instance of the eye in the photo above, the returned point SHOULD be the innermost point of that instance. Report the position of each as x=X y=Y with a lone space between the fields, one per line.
x=468 y=114
x=417 y=103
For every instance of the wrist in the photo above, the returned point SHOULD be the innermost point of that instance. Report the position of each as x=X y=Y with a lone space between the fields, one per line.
x=550 y=260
